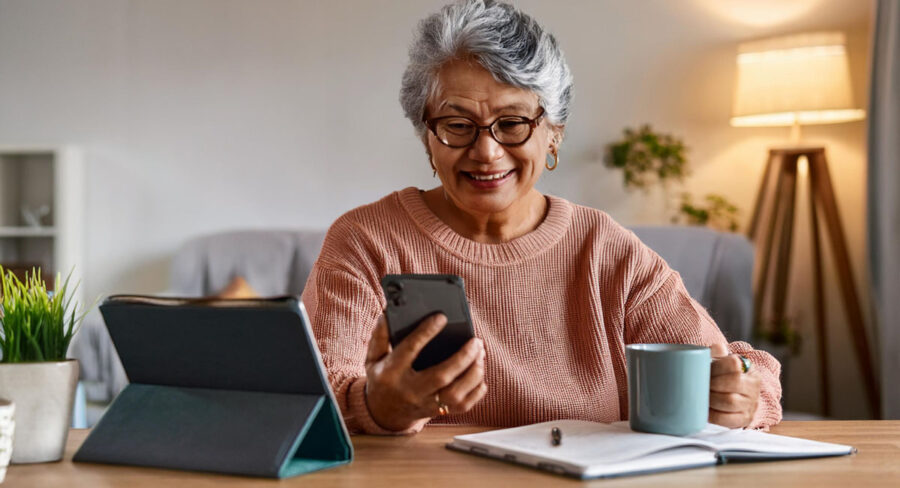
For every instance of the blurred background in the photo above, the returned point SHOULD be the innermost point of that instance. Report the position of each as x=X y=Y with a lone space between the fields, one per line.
x=193 y=117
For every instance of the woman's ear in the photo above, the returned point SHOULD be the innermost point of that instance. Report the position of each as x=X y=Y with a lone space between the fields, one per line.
x=430 y=156
x=556 y=137
x=428 y=150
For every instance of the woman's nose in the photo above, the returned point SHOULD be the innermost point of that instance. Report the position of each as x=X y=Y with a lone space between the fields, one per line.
x=486 y=149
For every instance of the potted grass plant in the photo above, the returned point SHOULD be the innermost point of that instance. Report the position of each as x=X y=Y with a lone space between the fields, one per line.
x=36 y=327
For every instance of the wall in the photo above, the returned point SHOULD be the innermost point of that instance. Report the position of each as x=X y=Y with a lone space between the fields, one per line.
x=206 y=115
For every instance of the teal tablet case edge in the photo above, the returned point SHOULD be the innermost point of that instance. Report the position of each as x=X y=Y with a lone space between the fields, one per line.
x=209 y=430
x=310 y=454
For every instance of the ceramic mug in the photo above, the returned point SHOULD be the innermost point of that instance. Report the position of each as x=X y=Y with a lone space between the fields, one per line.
x=668 y=388
x=7 y=429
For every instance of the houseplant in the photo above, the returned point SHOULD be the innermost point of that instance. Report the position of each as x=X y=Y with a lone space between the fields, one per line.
x=716 y=212
x=649 y=158
x=646 y=157
x=36 y=327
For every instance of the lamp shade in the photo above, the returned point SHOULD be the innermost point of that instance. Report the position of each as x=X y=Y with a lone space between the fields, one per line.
x=797 y=79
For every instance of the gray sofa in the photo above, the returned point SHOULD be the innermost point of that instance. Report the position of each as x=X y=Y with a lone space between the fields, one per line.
x=716 y=268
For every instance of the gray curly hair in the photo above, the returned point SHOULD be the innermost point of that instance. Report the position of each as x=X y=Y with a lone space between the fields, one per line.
x=508 y=43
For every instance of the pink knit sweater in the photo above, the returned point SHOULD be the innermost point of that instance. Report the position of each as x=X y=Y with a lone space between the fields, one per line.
x=555 y=309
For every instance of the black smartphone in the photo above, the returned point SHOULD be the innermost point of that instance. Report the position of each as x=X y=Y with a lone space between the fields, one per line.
x=413 y=297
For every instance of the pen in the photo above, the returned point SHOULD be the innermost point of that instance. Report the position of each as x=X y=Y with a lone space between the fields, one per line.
x=555 y=436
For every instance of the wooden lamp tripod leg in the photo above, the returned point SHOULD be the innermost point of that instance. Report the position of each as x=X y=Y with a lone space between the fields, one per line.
x=773 y=161
x=783 y=262
x=819 y=295
x=825 y=194
x=777 y=163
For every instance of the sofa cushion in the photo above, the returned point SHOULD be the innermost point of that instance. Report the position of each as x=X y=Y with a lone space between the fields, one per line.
x=272 y=262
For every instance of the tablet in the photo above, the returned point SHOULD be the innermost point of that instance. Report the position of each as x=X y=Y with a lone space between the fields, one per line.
x=226 y=386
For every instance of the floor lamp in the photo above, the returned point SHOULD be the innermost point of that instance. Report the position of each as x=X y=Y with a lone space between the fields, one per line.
x=793 y=81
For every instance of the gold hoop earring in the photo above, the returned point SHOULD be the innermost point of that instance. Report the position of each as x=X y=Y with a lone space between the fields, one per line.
x=433 y=168
x=555 y=162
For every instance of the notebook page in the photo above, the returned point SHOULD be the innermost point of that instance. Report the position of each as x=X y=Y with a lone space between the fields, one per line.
x=669 y=460
x=583 y=444
x=760 y=442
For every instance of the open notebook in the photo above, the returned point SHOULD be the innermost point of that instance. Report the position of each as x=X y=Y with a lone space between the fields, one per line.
x=596 y=450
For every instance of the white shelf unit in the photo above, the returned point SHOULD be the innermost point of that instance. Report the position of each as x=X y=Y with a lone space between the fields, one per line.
x=42 y=231
x=52 y=178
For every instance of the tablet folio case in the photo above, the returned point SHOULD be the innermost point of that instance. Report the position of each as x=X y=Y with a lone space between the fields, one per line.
x=232 y=387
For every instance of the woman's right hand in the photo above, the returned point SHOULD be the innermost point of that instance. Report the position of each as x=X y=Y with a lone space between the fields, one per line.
x=399 y=396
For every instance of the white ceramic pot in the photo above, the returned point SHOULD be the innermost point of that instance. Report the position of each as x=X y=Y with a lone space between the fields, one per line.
x=7 y=428
x=44 y=394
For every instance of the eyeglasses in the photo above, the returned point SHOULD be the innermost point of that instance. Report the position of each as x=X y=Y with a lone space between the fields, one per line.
x=509 y=130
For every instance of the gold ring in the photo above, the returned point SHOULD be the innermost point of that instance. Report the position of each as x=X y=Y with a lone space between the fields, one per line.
x=443 y=409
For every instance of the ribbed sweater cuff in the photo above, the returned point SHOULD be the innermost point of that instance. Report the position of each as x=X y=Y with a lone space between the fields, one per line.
x=359 y=408
x=765 y=417
x=768 y=410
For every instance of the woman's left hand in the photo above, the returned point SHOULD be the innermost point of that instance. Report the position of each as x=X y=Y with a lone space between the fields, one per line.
x=733 y=394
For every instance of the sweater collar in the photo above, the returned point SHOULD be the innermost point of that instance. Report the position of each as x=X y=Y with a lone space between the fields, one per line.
x=545 y=236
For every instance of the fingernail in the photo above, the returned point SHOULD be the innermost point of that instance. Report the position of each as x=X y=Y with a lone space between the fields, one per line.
x=440 y=320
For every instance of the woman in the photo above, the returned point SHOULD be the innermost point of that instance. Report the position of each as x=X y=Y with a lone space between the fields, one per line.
x=556 y=290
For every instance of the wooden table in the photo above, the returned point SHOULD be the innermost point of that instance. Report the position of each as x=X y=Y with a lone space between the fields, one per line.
x=422 y=461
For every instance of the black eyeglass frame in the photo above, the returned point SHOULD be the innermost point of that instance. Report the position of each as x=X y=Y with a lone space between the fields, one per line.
x=532 y=125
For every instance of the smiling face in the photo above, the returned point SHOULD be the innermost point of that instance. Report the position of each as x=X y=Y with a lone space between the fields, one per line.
x=487 y=177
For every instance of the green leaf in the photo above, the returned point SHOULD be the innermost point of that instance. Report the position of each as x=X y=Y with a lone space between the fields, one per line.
x=35 y=325
x=646 y=157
